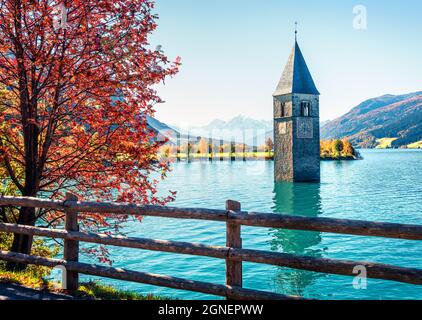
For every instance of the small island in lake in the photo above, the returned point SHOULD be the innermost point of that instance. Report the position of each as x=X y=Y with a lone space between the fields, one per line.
x=339 y=150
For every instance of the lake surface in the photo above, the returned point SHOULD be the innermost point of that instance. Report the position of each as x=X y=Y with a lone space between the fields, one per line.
x=386 y=186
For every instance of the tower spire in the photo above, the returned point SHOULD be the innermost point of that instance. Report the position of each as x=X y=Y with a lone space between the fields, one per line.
x=296 y=77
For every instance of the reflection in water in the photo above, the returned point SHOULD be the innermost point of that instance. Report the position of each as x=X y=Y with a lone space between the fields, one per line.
x=296 y=199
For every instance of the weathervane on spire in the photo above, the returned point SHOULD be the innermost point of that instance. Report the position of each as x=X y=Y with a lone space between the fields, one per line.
x=296 y=31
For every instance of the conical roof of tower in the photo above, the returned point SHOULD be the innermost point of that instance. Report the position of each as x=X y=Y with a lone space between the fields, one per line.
x=296 y=77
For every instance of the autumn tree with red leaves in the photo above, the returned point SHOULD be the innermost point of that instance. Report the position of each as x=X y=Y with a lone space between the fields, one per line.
x=80 y=76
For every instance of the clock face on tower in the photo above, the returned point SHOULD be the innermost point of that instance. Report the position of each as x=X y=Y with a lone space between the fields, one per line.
x=305 y=128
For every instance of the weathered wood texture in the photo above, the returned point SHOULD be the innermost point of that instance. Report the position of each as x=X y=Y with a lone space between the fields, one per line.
x=331 y=266
x=31 y=202
x=232 y=252
x=375 y=270
x=270 y=220
x=120 y=241
x=330 y=225
x=148 y=278
x=233 y=240
x=71 y=247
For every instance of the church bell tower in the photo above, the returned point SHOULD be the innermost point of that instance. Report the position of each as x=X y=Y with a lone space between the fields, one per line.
x=296 y=123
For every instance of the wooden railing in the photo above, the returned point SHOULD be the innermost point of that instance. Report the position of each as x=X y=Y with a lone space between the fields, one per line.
x=233 y=252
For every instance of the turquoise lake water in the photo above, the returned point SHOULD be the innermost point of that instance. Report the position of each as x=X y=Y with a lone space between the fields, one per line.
x=386 y=186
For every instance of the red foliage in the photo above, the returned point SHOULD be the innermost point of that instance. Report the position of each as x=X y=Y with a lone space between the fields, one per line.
x=65 y=128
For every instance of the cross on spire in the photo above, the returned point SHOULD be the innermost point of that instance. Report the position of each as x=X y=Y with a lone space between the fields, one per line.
x=296 y=31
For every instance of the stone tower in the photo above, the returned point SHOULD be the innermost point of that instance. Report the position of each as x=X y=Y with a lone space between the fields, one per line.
x=296 y=123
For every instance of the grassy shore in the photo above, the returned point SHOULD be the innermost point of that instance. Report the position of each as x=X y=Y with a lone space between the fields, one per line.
x=87 y=291
x=254 y=156
x=340 y=157
x=387 y=143
x=416 y=145
x=226 y=155
x=36 y=277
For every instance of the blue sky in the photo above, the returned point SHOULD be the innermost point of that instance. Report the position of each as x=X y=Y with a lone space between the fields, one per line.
x=234 y=51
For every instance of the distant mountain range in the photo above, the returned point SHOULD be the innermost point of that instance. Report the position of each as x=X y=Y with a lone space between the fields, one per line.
x=216 y=131
x=163 y=131
x=239 y=129
x=386 y=121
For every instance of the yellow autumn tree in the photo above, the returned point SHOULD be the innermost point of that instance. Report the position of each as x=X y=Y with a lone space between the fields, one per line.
x=165 y=150
x=269 y=145
x=6 y=187
x=203 y=146
x=348 y=149
x=337 y=149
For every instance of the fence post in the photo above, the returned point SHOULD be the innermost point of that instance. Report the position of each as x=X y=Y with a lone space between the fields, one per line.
x=71 y=248
x=233 y=240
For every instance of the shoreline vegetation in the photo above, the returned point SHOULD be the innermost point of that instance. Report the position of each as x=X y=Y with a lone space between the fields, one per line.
x=331 y=150
x=388 y=143
x=38 y=277
x=339 y=150
x=91 y=290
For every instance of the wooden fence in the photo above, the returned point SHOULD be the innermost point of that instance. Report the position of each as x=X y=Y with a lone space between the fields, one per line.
x=232 y=253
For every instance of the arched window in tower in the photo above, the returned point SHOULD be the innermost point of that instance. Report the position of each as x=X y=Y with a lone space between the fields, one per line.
x=283 y=109
x=280 y=110
x=305 y=109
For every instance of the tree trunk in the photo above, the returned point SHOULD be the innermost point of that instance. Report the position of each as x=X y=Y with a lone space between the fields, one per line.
x=22 y=243
x=28 y=96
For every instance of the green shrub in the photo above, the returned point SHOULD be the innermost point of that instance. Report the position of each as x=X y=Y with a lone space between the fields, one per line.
x=39 y=248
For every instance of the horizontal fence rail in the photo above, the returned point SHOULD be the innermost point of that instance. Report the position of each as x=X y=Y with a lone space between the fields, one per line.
x=340 y=267
x=270 y=220
x=233 y=252
x=147 y=278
